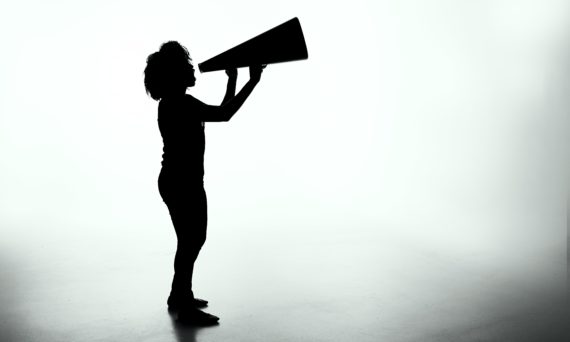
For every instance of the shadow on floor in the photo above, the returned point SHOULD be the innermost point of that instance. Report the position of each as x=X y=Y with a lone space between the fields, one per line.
x=183 y=332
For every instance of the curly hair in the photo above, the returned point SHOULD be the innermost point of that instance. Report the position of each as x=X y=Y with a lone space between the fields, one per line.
x=164 y=69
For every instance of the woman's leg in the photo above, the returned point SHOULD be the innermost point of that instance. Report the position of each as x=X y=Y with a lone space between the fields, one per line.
x=189 y=217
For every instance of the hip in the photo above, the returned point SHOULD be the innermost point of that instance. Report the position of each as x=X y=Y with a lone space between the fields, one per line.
x=173 y=184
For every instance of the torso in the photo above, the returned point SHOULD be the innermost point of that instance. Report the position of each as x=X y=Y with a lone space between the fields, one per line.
x=183 y=138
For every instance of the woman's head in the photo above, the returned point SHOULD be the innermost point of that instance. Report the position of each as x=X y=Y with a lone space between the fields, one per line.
x=168 y=71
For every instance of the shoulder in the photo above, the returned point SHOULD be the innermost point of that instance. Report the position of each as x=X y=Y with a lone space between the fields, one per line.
x=182 y=101
x=165 y=104
x=174 y=104
x=170 y=101
x=192 y=102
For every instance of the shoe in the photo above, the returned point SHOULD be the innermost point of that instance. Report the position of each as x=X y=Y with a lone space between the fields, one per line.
x=200 y=303
x=175 y=303
x=197 y=317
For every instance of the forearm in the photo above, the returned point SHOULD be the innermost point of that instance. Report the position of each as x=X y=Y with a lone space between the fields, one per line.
x=230 y=90
x=234 y=103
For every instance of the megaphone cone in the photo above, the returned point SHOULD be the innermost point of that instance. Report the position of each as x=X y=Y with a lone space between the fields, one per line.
x=283 y=43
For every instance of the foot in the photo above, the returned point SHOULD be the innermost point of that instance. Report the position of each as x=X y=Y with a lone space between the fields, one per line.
x=197 y=317
x=200 y=303
x=178 y=303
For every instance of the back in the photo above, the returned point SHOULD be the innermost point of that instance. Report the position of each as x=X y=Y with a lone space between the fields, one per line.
x=182 y=136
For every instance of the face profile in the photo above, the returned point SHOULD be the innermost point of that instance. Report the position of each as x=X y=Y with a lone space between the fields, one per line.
x=190 y=76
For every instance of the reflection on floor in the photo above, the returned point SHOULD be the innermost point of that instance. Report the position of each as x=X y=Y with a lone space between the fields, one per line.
x=337 y=284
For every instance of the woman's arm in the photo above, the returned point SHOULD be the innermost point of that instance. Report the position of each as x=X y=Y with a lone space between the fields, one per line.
x=231 y=88
x=231 y=106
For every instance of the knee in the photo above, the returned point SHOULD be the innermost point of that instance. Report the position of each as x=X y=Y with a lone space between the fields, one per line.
x=191 y=243
x=200 y=239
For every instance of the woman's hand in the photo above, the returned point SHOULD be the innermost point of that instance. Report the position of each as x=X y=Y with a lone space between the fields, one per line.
x=232 y=73
x=255 y=72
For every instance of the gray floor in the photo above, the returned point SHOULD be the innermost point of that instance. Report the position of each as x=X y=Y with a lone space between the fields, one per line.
x=376 y=285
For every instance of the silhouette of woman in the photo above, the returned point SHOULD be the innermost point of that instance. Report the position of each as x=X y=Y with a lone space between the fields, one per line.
x=181 y=119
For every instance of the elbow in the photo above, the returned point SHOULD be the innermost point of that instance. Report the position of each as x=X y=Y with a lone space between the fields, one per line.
x=226 y=113
x=228 y=117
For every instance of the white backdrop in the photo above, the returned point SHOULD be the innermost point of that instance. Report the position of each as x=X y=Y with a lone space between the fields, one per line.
x=444 y=121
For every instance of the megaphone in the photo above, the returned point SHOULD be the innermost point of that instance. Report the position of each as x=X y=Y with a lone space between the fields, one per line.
x=283 y=43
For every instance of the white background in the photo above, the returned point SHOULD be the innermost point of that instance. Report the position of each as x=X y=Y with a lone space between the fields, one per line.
x=440 y=121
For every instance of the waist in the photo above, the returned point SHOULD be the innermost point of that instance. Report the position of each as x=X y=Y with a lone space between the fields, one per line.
x=184 y=165
x=175 y=171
